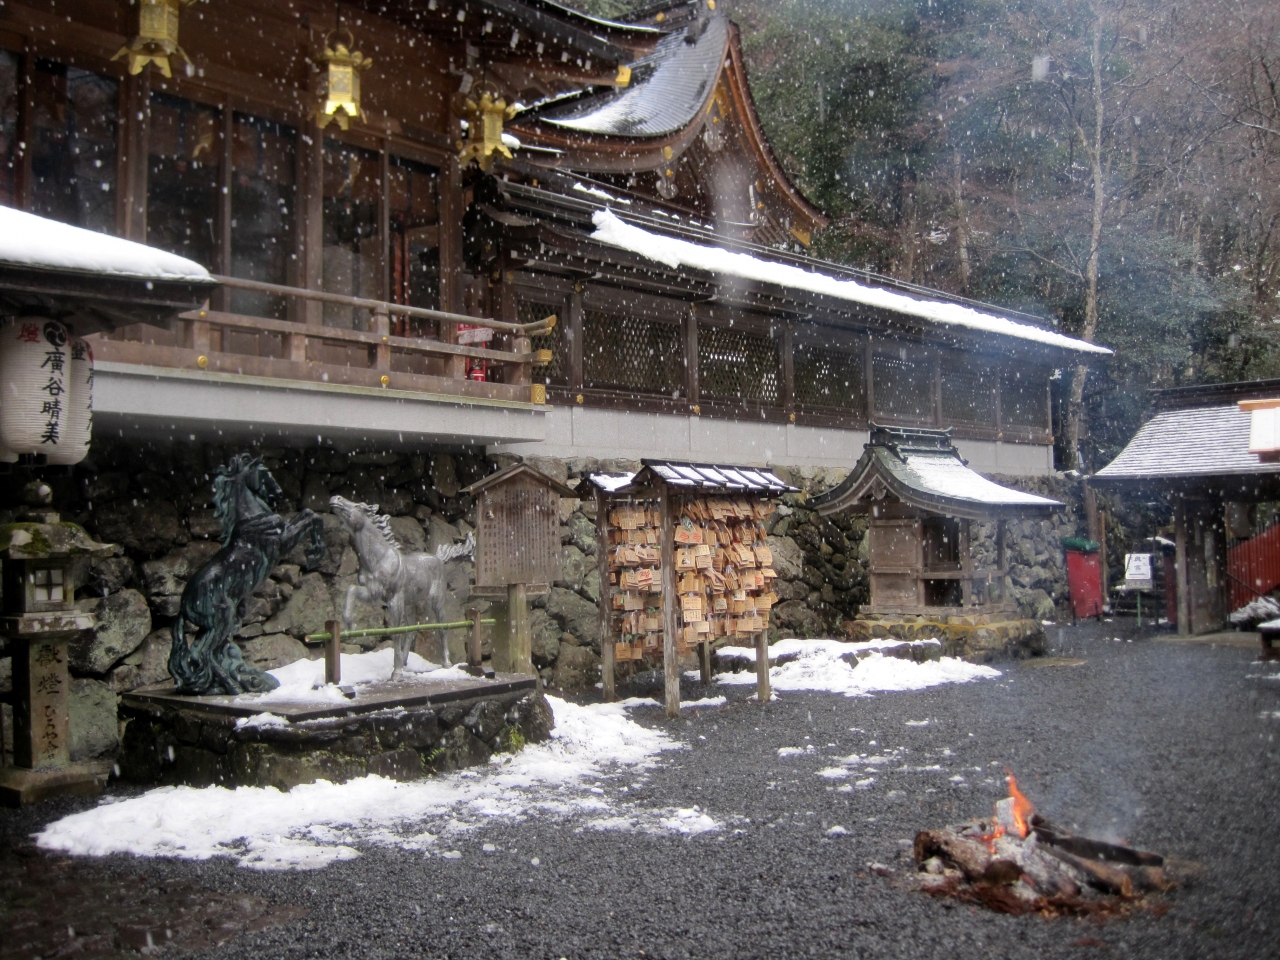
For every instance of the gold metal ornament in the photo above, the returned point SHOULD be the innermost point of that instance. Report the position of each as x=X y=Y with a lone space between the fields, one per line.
x=485 y=118
x=157 y=38
x=340 y=82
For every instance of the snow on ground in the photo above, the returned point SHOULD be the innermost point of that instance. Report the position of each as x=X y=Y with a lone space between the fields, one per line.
x=821 y=666
x=316 y=824
x=632 y=702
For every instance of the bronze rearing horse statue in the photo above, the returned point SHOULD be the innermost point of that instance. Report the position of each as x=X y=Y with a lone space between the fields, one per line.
x=254 y=538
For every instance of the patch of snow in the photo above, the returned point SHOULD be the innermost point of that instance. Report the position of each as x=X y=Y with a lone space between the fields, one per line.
x=837 y=831
x=610 y=482
x=511 y=142
x=821 y=667
x=917 y=723
x=38 y=242
x=833 y=773
x=316 y=824
x=677 y=253
x=261 y=720
x=793 y=751
x=865 y=784
x=600 y=194
x=303 y=680
x=632 y=702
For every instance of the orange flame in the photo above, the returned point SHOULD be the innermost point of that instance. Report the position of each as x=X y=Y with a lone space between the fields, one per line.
x=1023 y=809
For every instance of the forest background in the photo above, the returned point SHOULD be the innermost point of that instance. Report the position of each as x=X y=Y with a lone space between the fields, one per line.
x=1110 y=165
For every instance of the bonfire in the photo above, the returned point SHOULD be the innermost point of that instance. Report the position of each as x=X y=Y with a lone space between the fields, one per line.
x=1017 y=862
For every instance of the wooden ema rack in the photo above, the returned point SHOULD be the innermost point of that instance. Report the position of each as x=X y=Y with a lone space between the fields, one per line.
x=679 y=572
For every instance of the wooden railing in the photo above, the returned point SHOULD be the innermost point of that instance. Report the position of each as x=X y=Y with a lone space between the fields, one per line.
x=221 y=342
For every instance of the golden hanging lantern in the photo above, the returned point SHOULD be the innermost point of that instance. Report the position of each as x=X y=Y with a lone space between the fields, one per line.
x=340 y=83
x=485 y=118
x=157 y=38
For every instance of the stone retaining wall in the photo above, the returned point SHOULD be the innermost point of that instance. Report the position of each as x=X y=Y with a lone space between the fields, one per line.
x=154 y=500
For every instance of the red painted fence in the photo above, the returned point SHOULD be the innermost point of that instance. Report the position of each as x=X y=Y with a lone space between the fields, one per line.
x=1254 y=566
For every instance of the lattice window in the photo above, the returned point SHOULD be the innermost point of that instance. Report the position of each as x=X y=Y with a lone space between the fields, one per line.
x=968 y=394
x=903 y=385
x=632 y=353
x=531 y=311
x=737 y=365
x=1024 y=399
x=829 y=378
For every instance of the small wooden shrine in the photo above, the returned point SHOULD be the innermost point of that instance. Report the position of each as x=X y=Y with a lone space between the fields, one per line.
x=921 y=500
x=683 y=565
x=517 y=553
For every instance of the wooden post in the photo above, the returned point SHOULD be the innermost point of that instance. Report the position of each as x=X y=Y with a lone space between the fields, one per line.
x=475 y=642
x=789 y=372
x=704 y=662
x=333 y=652
x=670 y=619
x=763 y=693
x=966 y=564
x=41 y=685
x=382 y=352
x=573 y=338
x=692 y=386
x=1180 y=540
x=521 y=629
x=501 y=660
x=607 y=650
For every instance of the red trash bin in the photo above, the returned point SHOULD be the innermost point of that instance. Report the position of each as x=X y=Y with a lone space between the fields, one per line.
x=1084 y=577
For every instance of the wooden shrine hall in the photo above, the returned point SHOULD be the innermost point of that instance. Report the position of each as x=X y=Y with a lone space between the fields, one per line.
x=922 y=500
x=683 y=564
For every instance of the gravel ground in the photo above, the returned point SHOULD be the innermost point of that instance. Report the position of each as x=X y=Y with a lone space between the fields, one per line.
x=1168 y=745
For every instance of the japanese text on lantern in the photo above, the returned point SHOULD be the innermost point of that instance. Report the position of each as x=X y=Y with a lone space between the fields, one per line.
x=55 y=361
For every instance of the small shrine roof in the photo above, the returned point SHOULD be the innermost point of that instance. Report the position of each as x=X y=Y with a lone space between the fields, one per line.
x=516 y=470
x=1188 y=442
x=923 y=469
x=706 y=477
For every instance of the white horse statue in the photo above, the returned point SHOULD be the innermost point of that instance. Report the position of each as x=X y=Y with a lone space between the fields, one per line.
x=410 y=585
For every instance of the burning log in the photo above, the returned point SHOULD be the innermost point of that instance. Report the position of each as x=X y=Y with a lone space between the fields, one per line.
x=1017 y=862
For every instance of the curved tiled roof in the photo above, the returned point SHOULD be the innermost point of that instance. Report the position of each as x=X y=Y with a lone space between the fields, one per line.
x=668 y=88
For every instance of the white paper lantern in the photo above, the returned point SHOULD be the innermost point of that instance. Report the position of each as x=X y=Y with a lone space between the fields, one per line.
x=78 y=419
x=35 y=381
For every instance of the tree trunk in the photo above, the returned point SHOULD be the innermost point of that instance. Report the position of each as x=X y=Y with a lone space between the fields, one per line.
x=962 y=225
x=1075 y=408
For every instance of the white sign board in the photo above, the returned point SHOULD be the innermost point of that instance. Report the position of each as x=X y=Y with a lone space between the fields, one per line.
x=1137 y=571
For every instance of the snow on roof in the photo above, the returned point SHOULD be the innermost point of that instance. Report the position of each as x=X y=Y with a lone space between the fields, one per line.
x=610 y=482
x=946 y=476
x=677 y=253
x=30 y=241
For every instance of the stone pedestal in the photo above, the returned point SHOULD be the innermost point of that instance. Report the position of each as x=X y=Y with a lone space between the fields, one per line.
x=980 y=638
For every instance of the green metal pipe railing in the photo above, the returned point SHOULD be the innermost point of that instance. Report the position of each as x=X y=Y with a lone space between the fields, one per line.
x=388 y=631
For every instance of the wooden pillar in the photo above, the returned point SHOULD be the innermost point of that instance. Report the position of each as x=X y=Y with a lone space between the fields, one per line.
x=311 y=220
x=521 y=629
x=1180 y=565
x=692 y=386
x=333 y=652
x=384 y=223
x=670 y=602
x=789 y=373
x=607 y=649
x=501 y=659
x=475 y=643
x=704 y=662
x=25 y=137
x=226 y=177
x=382 y=352
x=573 y=339
x=966 y=564
x=763 y=693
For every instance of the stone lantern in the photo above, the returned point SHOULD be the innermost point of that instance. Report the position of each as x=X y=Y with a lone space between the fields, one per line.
x=38 y=619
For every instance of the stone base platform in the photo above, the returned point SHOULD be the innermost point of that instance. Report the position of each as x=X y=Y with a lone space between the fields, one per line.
x=391 y=729
x=20 y=787
x=980 y=638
